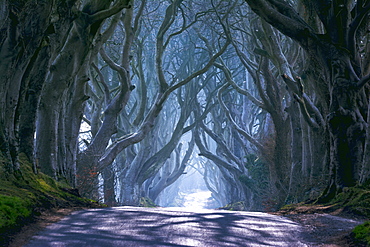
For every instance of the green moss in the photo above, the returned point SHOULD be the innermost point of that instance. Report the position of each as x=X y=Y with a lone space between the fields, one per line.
x=236 y=206
x=24 y=197
x=147 y=202
x=354 y=200
x=12 y=209
x=361 y=234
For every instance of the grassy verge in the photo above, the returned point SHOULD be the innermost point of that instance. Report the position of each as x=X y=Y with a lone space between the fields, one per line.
x=354 y=201
x=236 y=206
x=147 y=202
x=27 y=195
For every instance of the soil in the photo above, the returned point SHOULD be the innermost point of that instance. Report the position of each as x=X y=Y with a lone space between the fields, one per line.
x=40 y=222
x=322 y=227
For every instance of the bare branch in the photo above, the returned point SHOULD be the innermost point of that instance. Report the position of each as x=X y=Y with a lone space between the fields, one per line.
x=197 y=73
x=216 y=159
x=101 y=15
x=239 y=89
x=103 y=83
x=121 y=71
x=257 y=80
x=305 y=103
x=103 y=37
x=220 y=143
x=138 y=16
x=160 y=47
x=363 y=81
x=235 y=125
x=284 y=18
x=149 y=120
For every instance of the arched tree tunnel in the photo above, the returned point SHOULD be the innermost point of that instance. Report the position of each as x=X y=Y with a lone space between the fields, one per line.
x=254 y=102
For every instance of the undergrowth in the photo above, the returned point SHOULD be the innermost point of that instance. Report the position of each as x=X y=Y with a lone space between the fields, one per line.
x=356 y=200
x=361 y=234
x=352 y=201
x=147 y=202
x=24 y=197
x=236 y=206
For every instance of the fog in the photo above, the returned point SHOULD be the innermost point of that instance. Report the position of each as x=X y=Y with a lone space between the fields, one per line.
x=189 y=191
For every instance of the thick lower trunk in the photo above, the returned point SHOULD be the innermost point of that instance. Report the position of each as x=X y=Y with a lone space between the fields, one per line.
x=130 y=193
x=236 y=191
x=365 y=168
x=46 y=137
x=320 y=157
x=62 y=76
x=157 y=188
x=131 y=186
x=347 y=131
x=22 y=23
x=72 y=122
x=216 y=194
x=171 y=171
x=297 y=169
x=108 y=186
x=281 y=163
x=27 y=122
x=347 y=139
x=87 y=174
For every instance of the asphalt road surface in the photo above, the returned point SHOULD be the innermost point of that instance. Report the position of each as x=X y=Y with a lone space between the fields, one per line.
x=131 y=226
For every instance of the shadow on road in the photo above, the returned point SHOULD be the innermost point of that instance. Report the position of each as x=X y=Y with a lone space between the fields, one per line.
x=130 y=226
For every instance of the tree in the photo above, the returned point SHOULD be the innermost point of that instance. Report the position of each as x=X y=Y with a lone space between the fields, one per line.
x=138 y=122
x=283 y=85
x=335 y=45
x=87 y=160
x=23 y=25
x=37 y=45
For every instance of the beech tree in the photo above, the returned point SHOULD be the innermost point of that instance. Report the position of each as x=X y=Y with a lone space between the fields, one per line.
x=143 y=167
x=137 y=122
x=333 y=41
x=47 y=30
x=21 y=23
x=87 y=160
x=274 y=95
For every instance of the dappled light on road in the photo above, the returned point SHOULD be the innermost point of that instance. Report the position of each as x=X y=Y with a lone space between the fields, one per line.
x=130 y=226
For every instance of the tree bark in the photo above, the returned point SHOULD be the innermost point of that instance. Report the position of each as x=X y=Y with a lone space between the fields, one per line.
x=24 y=25
x=341 y=68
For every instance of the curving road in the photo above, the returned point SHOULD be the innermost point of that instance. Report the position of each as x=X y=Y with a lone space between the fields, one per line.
x=131 y=226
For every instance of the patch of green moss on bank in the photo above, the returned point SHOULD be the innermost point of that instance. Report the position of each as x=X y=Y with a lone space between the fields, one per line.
x=236 y=206
x=147 y=202
x=353 y=201
x=11 y=209
x=27 y=195
x=361 y=234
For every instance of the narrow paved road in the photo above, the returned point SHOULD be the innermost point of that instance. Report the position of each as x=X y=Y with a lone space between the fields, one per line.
x=131 y=226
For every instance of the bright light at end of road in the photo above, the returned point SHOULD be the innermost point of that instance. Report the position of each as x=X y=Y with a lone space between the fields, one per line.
x=197 y=200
